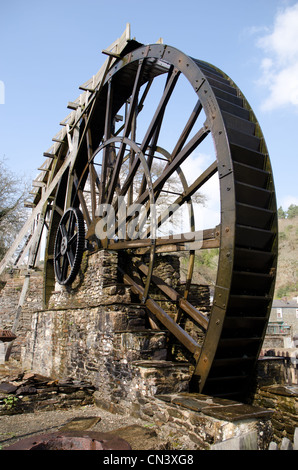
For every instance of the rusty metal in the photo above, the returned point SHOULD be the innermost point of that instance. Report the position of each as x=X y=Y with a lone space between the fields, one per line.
x=69 y=246
x=7 y=336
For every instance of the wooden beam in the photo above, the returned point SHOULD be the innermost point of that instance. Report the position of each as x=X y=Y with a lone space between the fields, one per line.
x=38 y=184
x=165 y=319
x=174 y=295
x=188 y=239
x=49 y=155
x=173 y=248
x=72 y=105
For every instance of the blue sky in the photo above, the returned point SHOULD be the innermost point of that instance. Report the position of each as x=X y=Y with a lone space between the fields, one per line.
x=48 y=49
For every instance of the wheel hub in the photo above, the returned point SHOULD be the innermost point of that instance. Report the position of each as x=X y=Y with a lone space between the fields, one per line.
x=64 y=245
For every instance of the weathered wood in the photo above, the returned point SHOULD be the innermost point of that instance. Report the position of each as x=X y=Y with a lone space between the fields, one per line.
x=174 y=295
x=164 y=318
x=188 y=240
x=49 y=155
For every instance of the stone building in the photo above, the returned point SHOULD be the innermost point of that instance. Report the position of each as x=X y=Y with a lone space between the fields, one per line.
x=282 y=330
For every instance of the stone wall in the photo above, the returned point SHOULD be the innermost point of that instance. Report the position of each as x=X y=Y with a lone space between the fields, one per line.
x=9 y=298
x=97 y=330
x=283 y=401
x=200 y=421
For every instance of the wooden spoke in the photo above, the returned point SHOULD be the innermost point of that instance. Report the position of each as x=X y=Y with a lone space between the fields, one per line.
x=208 y=238
x=198 y=316
x=152 y=127
x=127 y=131
x=82 y=202
x=187 y=130
x=92 y=173
x=186 y=195
x=154 y=141
x=179 y=159
x=106 y=151
x=165 y=319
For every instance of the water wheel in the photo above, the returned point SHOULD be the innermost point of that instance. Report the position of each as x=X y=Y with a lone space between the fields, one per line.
x=130 y=147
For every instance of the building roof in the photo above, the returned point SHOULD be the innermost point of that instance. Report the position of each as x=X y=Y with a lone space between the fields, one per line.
x=285 y=303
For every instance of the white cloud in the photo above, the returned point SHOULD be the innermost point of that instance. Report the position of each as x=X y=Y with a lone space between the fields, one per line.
x=206 y=216
x=288 y=200
x=280 y=64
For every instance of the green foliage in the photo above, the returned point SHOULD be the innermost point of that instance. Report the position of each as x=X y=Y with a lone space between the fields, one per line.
x=207 y=258
x=281 y=213
x=10 y=401
x=292 y=211
x=286 y=290
x=289 y=214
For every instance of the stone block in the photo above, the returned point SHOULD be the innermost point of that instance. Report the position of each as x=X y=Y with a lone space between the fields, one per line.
x=286 y=444
x=296 y=439
x=247 y=441
x=273 y=446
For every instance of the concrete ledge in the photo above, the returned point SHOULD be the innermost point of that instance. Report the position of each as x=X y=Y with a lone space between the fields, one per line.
x=218 y=408
x=200 y=422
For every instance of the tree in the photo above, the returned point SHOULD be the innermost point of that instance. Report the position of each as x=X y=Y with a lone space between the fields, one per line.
x=12 y=212
x=292 y=211
x=281 y=213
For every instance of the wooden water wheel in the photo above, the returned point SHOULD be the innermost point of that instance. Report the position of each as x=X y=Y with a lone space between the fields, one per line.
x=155 y=107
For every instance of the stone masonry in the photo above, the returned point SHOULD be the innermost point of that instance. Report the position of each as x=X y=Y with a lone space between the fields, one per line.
x=97 y=331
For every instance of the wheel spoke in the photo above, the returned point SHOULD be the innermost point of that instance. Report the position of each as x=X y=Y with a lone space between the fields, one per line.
x=63 y=230
x=82 y=200
x=154 y=141
x=92 y=173
x=73 y=239
x=106 y=151
x=152 y=127
x=187 y=130
x=208 y=238
x=65 y=264
x=127 y=131
x=70 y=257
x=182 y=155
x=71 y=225
x=57 y=256
x=69 y=246
x=187 y=193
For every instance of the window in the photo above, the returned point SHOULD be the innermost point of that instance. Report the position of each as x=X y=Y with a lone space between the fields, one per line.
x=279 y=313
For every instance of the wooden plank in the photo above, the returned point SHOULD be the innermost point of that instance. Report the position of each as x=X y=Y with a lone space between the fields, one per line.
x=188 y=239
x=72 y=105
x=116 y=47
x=174 y=295
x=194 y=313
x=165 y=319
x=38 y=184
x=49 y=155
x=172 y=248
